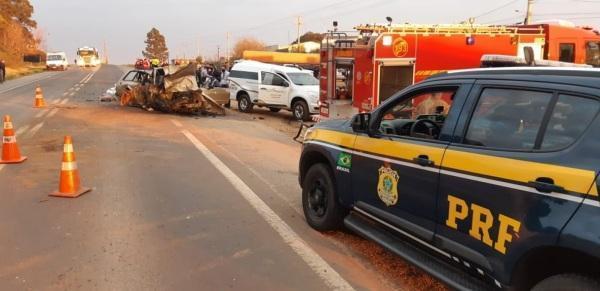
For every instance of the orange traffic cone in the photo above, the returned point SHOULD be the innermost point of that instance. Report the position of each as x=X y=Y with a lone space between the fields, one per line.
x=69 y=174
x=39 y=98
x=10 y=150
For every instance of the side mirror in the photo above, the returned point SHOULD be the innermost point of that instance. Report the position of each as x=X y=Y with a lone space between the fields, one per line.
x=360 y=122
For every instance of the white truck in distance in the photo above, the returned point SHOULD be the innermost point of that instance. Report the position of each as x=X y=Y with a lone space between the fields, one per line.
x=57 y=61
x=87 y=57
x=276 y=87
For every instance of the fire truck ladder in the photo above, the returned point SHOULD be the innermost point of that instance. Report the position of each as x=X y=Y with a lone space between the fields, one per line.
x=448 y=29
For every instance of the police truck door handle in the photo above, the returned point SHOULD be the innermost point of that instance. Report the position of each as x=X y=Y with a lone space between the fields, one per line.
x=546 y=185
x=423 y=160
x=263 y=88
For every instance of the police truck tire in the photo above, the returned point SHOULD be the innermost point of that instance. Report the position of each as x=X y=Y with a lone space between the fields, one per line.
x=320 y=203
x=567 y=282
x=274 y=109
x=300 y=110
x=244 y=103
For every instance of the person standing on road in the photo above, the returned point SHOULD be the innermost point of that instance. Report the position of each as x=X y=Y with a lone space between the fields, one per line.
x=224 y=78
x=2 y=71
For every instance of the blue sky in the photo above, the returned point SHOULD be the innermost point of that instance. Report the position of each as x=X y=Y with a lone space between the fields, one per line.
x=189 y=25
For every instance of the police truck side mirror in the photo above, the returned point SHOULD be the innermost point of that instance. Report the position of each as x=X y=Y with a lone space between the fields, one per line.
x=360 y=122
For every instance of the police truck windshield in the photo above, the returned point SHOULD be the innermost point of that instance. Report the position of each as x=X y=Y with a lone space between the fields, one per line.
x=303 y=79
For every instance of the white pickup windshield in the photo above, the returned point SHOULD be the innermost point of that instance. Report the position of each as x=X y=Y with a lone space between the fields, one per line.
x=54 y=57
x=303 y=79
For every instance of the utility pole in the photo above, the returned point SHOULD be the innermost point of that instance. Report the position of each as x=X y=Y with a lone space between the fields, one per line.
x=227 y=57
x=198 y=47
x=218 y=54
x=105 y=53
x=529 y=11
x=298 y=23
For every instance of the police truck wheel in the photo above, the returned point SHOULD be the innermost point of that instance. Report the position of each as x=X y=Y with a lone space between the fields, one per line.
x=274 y=109
x=320 y=203
x=244 y=103
x=567 y=282
x=300 y=110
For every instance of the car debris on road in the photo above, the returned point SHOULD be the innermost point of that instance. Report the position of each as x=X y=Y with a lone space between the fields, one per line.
x=174 y=93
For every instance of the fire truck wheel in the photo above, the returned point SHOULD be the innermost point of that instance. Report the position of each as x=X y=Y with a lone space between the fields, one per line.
x=300 y=110
x=274 y=109
x=244 y=103
x=320 y=203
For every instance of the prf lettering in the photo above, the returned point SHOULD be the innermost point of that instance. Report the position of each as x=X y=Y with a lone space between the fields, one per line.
x=482 y=221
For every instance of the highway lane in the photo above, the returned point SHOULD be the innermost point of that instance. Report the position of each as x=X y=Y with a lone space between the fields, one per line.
x=178 y=203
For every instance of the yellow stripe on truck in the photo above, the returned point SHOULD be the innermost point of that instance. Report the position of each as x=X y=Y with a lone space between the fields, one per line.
x=402 y=150
x=572 y=179
x=333 y=137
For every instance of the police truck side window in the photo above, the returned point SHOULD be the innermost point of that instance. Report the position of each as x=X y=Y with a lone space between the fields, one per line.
x=570 y=117
x=507 y=119
x=431 y=105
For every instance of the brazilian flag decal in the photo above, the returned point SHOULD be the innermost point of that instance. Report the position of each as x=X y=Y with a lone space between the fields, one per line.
x=344 y=160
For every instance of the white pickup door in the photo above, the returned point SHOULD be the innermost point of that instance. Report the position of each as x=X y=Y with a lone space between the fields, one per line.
x=273 y=89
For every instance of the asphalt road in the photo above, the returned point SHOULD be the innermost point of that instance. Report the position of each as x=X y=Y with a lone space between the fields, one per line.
x=178 y=203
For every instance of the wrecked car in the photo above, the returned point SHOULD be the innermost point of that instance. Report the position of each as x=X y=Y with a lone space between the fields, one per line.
x=174 y=93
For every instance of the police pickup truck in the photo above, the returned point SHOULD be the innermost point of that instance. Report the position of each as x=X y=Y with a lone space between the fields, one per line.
x=484 y=178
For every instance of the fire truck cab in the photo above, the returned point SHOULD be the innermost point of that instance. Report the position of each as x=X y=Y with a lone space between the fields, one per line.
x=361 y=69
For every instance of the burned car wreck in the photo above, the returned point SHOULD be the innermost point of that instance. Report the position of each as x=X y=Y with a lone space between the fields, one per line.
x=171 y=93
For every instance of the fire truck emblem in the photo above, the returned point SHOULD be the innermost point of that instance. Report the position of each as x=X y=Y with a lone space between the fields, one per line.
x=387 y=187
x=400 y=47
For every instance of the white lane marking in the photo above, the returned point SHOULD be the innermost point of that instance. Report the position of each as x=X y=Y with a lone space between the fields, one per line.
x=72 y=93
x=35 y=129
x=177 y=123
x=2 y=166
x=76 y=89
x=56 y=100
x=65 y=94
x=264 y=180
x=64 y=101
x=21 y=130
x=41 y=113
x=28 y=83
x=54 y=111
x=332 y=279
x=85 y=78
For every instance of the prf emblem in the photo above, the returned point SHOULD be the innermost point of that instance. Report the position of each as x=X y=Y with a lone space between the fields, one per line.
x=400 y=47
x=387 y=187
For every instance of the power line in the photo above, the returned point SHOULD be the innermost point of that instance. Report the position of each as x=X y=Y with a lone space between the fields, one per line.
x=497 y=8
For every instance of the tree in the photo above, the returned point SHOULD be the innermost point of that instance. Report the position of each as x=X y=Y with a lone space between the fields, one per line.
x=16 y=27
x=156 y=46
x=246 y=44
x=310 y=36
x=19 y=11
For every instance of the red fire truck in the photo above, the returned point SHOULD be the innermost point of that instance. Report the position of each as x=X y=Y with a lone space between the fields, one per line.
x=359 y=70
